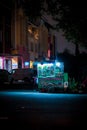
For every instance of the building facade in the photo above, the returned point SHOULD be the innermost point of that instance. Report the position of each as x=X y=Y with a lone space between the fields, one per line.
x=21 y=42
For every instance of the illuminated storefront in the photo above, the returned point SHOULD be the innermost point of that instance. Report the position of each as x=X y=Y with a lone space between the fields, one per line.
x=11 y=62
x=31 y=64
x=26 y=64
x=1 y=63
x=14 y=62
x=5 y=63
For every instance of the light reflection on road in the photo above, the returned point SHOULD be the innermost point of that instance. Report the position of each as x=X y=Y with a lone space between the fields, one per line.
x=41 y=95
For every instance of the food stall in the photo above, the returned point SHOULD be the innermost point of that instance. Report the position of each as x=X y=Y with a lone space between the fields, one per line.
x=50 y=75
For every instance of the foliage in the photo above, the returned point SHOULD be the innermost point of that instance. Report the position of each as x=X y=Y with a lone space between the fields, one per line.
x=72 y=84
x=71 y=17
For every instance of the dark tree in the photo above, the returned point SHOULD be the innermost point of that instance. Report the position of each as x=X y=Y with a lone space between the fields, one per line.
x=71 y=17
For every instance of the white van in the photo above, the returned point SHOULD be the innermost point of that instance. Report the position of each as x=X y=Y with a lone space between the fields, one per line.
x=22 y=75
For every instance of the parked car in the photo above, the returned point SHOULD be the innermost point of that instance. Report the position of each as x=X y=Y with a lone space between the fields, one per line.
x=4 y=76
x=26 y=75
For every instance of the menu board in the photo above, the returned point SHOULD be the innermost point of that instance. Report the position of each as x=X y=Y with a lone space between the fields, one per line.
x=46 y=70
x=49 y=69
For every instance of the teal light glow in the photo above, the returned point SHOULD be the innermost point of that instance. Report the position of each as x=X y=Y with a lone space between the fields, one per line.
x=58 y=64
x=38 y=95
x=45 y=64
x=26 y=63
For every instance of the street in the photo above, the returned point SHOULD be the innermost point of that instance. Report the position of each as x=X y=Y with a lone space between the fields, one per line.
x=43 y=110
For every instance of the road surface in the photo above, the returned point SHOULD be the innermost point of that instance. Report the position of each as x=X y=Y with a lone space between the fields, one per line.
x=43 y=110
